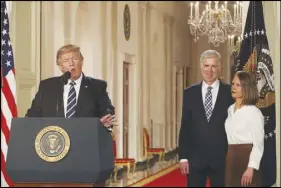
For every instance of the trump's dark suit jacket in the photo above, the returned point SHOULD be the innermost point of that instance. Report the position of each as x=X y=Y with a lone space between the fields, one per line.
x=93 y=100
x=204 y=143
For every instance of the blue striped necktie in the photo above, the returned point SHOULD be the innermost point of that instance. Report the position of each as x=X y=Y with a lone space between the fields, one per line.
x=208 y=103
x=71 y=101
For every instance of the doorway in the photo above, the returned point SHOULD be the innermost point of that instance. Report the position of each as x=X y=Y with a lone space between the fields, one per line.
x=126 y=114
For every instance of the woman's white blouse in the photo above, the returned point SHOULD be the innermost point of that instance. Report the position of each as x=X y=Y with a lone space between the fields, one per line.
x=246 y=126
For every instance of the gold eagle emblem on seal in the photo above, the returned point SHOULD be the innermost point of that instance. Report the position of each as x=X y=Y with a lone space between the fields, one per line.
x=52 y=143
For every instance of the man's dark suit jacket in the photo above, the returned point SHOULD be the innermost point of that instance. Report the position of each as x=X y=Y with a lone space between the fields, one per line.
x=204 y=143
x=93 y=100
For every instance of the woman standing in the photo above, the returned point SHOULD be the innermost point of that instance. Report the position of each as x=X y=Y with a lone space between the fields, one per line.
x=245 y=134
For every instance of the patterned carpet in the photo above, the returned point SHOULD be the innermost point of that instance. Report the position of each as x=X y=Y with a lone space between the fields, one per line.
x=160 y=174
x=168 y=177
x=142 y=174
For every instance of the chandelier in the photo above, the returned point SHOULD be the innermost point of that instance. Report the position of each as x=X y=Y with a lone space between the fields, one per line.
x=216 y=22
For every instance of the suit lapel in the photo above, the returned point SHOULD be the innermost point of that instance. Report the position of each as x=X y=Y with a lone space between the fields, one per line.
x=218 y=100
x=201 y=100
x=82 y=95
x=60 y=100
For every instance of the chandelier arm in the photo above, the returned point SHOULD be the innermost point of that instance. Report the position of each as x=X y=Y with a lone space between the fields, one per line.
x=204 y=23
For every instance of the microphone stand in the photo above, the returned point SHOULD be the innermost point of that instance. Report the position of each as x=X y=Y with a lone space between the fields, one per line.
x=64 y=80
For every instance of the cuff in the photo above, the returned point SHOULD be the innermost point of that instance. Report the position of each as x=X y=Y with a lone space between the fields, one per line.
x=183 y=160
x=110 y=129
x=254 y=165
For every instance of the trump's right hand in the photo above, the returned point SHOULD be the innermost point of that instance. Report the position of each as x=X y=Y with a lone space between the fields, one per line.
x=184 y=166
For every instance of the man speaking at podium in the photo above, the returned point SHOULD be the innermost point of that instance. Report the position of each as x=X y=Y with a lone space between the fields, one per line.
x=73 y=94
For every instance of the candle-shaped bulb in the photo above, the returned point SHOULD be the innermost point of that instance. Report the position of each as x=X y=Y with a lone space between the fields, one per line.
x=191 y=5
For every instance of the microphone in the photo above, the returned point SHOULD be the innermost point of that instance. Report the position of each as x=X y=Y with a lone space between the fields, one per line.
x=65 y=77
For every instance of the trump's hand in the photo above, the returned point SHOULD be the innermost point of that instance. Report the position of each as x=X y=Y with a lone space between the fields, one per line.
x=108 y=120
x=184 y=166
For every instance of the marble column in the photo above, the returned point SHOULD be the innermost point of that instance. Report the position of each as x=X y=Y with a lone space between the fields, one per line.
x=179 y=98
x=165 y=81
x=145 y=105
x=171 y=84
x=108 y=50
x=47 y=40
x=141 y=90
x=114 y=59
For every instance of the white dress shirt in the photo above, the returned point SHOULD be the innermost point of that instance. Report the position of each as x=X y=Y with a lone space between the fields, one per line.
x=246 y=126
x=214 y=91
x=66 y=89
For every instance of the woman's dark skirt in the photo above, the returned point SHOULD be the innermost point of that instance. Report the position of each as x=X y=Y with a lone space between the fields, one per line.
x=237 y=160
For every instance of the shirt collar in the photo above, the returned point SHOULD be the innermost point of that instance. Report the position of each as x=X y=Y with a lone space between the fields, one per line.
x=78 y=81
x=215 y=85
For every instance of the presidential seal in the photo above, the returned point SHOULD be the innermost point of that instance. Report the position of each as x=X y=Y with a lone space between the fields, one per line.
x=52 y=143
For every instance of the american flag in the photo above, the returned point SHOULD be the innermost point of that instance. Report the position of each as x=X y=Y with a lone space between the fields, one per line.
x=254 y=57
x=8 y=92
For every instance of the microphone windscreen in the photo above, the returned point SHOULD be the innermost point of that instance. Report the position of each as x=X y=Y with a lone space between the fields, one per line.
x=67 y=75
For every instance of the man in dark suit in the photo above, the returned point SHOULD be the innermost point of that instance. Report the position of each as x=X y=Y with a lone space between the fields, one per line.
x=72 y=94
x=202 y=139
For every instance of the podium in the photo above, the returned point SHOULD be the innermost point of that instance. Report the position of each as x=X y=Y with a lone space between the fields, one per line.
x=59 y=152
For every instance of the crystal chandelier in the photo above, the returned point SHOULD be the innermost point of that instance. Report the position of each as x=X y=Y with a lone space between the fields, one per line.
x=234 y=44
x=215 y=22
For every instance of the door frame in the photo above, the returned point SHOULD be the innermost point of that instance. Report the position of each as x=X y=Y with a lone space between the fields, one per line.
x=134 y=125
x=126 y=111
